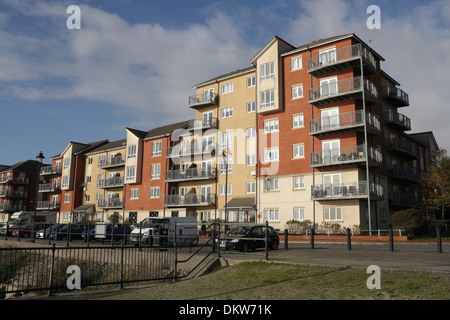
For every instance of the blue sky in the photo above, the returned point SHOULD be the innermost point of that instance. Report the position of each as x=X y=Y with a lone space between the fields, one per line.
x=133 y=62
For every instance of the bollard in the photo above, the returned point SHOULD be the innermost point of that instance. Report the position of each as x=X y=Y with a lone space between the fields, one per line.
x=349 y=240
x=391 y=239
x=312 y=238
x=286 y=234
x=439 y=242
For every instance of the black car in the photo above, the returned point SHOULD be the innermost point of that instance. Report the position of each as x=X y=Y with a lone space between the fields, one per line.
x=245 y=238
x=69 y=231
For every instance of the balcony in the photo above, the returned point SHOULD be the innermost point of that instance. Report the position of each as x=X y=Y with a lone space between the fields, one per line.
x=11 y=208
x=13 y=194
x=47 y=205
x=14 y=180
x=396 y=96
x=113 y=203
x=347 y=156
x=203 y=124
x=191 y=174
x=402 y=148
x=403 y=172
x=203 y=100
x=193 y=149
x=397 y=121
x=404 y=199
x=348 y=57
x=348 y=121
x=113 y=182
x=347 y=191
x=49 y=170
x=49 y=187
x=335 y=91
x=190 y=200
x=113 y=162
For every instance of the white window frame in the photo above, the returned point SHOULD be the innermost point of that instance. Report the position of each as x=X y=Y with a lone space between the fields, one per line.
x=271 y=184
x=297 y=91
x=267 y=70
x=251 y=133
x=131 y=173
x=156 y=171
x=154 y=192
x=67 y=198
x=251 y=160
x=267 y=98
x=226 y=112
x=298 y=121
x=329 y=215
x=131 y=151
x=272 y=214
x=299 y=214
x=227 y=87
x=66 y=163
x=156 y=148
x=296 y=63
x=134 y=193
x=229 y=189
x=271 y=125
x=250 y=187
x=65 y=181
x=251 y=81
x=271 y=154
x=298 y=182
x=251 y=106
x=298 y=151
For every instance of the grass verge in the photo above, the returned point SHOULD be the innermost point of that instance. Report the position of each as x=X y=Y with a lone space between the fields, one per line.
x=276 y=281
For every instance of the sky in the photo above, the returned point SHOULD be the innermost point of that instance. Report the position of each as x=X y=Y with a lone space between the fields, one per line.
x=133 y=63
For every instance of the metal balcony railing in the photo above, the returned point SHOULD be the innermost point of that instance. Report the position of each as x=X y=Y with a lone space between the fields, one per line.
x=18 y=180
x=347 y=155
x=203 y=100
x=403 y=172
x=5 y=193
x=397 y=120
x=403 y=147
x=47 y=205
x=190 y=200
x=111 y=182
x=352 y=190
x=111 y=203
x=50 y=170
x=344 y=121
x=404 y=199
x=395 y=95
x=332 y=60
x=191 y=174
x=203 y=124
x=112 y=162
x=344 y=89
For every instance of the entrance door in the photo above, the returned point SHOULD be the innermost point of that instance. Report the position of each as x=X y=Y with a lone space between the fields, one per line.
x=207 y=119
x=332 y=184
x=208 y=95
x=329 y=118
x=205 y=194
x=328 y=87
x=330 y=151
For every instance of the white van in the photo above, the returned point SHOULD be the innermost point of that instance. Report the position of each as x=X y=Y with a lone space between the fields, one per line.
x=166 y=231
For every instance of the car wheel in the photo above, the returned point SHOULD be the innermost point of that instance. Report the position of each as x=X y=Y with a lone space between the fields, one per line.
x=245 y=247
x=26 y=235
x=274 y=246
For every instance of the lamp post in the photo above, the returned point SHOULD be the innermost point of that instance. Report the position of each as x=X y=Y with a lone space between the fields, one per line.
x=40 y=158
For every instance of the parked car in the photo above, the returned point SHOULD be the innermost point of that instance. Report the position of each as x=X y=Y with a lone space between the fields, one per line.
x=116 y=231
x=46 y=232
x=71 y=230
x=22 y=232
x=247 y=238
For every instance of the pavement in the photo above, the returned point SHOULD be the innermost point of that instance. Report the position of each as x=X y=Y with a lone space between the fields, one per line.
x=405 y=256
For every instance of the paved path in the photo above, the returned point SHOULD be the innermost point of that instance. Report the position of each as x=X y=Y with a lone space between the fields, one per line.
x=417 y=257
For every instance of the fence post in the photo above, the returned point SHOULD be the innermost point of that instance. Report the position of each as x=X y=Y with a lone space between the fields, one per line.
x=121 y=267
x=312 y=238
x=391 y=239
x=286 y=234
x=349 y=239
x=267 y=240
x=439 y=242
x=50 y=281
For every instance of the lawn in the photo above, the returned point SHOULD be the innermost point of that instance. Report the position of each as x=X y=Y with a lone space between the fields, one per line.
x=277 y=281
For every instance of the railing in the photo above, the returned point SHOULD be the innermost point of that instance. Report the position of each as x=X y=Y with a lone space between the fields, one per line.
x=346 y=190
x=202 y=124
x=9 y=207
x=12 y=194
x=19 y=180
x=49 y=187
x=340 y=90
x=346 y=155
x=403 y=146
x=47 y=205
x=193 y=149
x=50 y=170
x=404 y=199
x=110 y=182
x=343 y=121
x=404 y=172
x=397 y=95
x=112 y=162
x=191 y=174
x=207 y=98
x=111 y=203
x=190 y=200
x=398 y=119
x=337 y=56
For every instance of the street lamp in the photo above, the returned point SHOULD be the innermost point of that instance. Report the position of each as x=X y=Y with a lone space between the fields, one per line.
x=40 y=158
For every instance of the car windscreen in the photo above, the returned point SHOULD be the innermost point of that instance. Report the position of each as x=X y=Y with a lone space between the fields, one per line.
x=240 y=230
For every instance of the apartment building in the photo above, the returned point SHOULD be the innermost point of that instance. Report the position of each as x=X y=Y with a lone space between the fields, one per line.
x=18 y=188
x=104 y=181
x=49 y=188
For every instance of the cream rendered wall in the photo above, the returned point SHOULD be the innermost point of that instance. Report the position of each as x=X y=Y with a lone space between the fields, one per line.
x=136 y=161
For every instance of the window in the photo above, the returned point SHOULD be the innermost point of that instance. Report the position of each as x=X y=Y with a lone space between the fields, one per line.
x=134 y=193
x=298 y=151
x=226 y=112
x=205 y=215
x=131 y=171
x=66 y=198
x=65 y=181
x=101 y=160
x=271 y=154
x=223 y=165
x=271 y=184
x=222 y=189
x=297 y=91
x=251 y=81
x=296 y=63
x=250 y=187
x=251 y=133
x=251 y=159
x=132 y=151
x=332 y=213
x=299 y=182
x=267 y=98
x=267 y=70
x=88 y=179
x=156 y=171
x=251 y=106
x=298 y=121
x=153 y=214
x=156 y=148
x=154 y=192
x=89 y=160
x=327 y=56
x=271 y=125
x=66 y=163
x=87 y=197
x=328 y=87
x=299 y=214
x=227 y=87
x=227 y=140
x=271 y=214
